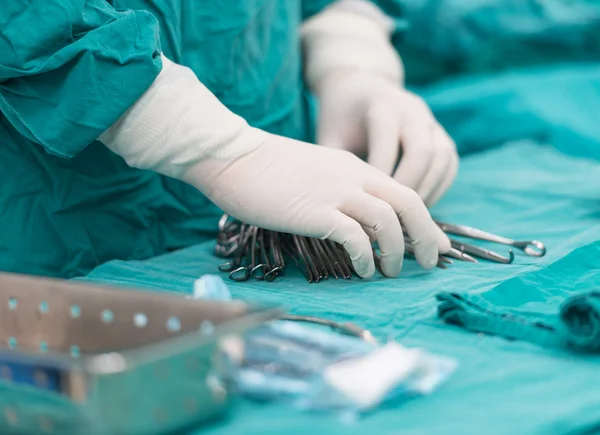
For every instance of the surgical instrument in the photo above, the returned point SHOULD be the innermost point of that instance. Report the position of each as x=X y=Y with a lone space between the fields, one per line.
x=533 y=248
x=256 y=253
x=410 y=251
x=265 y=266
x=460 y=255
x=344 y=328
x=486 y=254
x=453 y=253
x=243 y=273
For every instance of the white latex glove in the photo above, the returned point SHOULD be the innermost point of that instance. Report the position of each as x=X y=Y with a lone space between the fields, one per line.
x=366 y=114
x=357 y=76
x=179 y=128
x=299 y=188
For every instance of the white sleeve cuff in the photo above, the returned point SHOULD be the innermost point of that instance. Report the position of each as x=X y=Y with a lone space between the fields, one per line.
x=350 y=35
x=177 y=123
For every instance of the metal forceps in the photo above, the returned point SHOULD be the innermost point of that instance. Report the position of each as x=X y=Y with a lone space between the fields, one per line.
x=247 y=249
x=533 y=248
x=268 y=270
x=486 y=254
x=237 y=272
x=343 y=328
x=410 y=251
x=246 y=245
x=229 y=237
x=442 y=259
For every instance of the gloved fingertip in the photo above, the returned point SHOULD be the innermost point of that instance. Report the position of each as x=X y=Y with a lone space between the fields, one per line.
x=364 y=269
x=427 y=254
x=428 y=262
x=391 y=269
x=443 y=241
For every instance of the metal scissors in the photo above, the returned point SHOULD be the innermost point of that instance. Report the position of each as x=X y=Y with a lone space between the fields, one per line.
x=237 y=272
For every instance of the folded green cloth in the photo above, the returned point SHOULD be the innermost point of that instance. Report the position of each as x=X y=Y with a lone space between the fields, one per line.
x=580 y=316
x=558 y=305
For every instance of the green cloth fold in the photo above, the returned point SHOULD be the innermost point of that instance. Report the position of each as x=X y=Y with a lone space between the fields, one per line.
x=567 y=316
x=580 y=316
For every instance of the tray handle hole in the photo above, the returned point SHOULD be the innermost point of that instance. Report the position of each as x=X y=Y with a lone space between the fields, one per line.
x=75 y=311
x=173 y=324
x=107 y=316
x=140 y=320
x=12 y=304
x=207 y=327
x=12 y=342
x=43 y=307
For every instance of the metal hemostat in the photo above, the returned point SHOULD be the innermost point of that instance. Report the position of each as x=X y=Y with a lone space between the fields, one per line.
x=98 y=360
x=260 y=254
x=533 y=248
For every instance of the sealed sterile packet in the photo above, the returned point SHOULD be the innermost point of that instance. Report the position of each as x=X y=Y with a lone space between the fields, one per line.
x=322 y=370
x=318 y=369
x=387 y=372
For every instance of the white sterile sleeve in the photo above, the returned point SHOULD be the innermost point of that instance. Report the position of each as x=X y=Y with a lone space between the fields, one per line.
x=350 y=35
x=177 y=123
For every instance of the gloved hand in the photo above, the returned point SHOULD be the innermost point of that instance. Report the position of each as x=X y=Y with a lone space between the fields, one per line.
x=366 y=114
x=357 y=76
x=178 y=128
x=294 y=187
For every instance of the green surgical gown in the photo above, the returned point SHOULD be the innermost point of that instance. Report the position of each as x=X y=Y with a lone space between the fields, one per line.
x=70 y=68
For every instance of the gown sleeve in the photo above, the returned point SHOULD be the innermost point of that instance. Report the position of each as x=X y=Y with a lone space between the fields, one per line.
x=70 y=68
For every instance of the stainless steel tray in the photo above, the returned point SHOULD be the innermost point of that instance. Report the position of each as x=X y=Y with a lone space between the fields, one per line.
x=105 y=360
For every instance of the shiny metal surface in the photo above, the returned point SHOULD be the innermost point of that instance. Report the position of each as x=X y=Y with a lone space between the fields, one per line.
x=133 y=362
x=343 y=328
x=533 y=248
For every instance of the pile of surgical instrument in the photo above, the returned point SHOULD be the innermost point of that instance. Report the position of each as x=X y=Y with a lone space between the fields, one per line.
x=262 y=254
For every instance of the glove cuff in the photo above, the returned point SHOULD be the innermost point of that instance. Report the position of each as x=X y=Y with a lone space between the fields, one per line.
x=177 y=123
x=350 y=35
